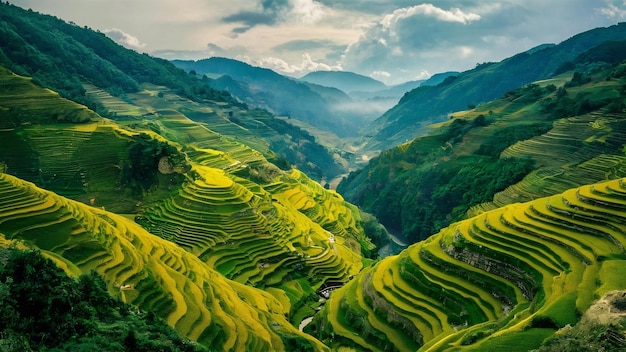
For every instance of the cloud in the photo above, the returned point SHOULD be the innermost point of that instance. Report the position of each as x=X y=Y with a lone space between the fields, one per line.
x=380 y=75
x=429 y=10
x=611 y=10
x=272 y=12
x=413 y=41
x=124 y=39
x=281 y=66
x=211 y=50
x=307 y=44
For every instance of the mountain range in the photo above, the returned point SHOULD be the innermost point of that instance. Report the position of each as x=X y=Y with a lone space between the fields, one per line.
x=200 y=209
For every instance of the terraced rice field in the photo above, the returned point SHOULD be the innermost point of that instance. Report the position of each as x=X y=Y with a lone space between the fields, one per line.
x=192 y=297
x=261 y=237
x=577 y=148
x=525 y=267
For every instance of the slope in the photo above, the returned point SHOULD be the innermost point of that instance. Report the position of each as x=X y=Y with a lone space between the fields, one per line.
x=212 y=195
x=535 y=141
x=165 y=279
x=87 y=67
x=504 y=280
x=427 y=105
x=264 y=88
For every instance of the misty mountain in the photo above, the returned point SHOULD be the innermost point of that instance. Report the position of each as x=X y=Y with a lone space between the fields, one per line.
x=431 y=104
x=346 y=81
x=87 y=67
x=322 y=107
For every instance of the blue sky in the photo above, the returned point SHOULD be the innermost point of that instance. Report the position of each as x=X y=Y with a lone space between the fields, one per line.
x=390 y=40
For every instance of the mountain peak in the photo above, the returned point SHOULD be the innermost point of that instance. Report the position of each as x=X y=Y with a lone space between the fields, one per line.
x=344 y=80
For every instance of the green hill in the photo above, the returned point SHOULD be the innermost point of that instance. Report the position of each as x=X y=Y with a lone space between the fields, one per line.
x=285 y=96
x=432 y=104
x=507 y=279
x=145 y=270
x=218 y=199
x=87 y=67
x=535 y=141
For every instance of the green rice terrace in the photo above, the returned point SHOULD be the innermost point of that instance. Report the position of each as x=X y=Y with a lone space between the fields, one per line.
x=535 y=141
x=215 y=197
x=145 y=270
x=504 y=280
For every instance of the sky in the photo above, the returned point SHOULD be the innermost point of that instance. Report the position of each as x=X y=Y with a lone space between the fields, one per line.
x=390 y=40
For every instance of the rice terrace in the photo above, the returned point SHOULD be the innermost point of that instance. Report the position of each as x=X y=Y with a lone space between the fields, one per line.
x=298 y=185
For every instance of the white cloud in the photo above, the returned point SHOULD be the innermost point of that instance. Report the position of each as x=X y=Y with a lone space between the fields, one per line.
x=125 y=39
x=613 y=11
x=423 y=75
x=307 y=11
x=429 y=10
x=281 y=66
x=380 y=75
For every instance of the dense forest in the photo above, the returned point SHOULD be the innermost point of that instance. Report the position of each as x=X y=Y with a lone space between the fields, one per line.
x=43 y=309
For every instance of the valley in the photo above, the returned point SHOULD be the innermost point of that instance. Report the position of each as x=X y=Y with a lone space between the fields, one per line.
x=220 y=206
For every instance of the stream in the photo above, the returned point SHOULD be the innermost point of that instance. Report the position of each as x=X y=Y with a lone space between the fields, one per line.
x=395 y=246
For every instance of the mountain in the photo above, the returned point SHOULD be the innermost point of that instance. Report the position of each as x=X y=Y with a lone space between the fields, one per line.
x=264 y=88
x=509 y=279
x=348 y=82
x=431 y=104
x=219 y=215
x=169 y=195
x=152 y=197
x=165 y=279
x=438 y=78
x=89 y=68
x=534 y=141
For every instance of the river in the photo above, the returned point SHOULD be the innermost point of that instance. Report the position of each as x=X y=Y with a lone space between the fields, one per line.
x=395 y=246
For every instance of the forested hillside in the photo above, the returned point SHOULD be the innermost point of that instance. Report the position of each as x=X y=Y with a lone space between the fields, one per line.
x=87 y=67
x=534 y=141
x=487 y=81
x=314 y=104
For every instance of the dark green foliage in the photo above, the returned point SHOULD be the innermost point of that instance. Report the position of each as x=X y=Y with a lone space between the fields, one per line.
x=143 y=157
x=375 y=231
x=565 y=106
x=43 y=309
x=420 y=201
x=297 y=343
x=541 y=321
x=578 y=79
x=496 y=143
x=609 y=52
x=62 y=56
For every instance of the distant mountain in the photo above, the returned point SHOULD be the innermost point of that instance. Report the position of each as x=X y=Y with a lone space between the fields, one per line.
x=534 y=141
x=264 y=88
x=430 y=104
x=208 y=221
x=346 y=81
x=438 y=78
x=89 y=68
